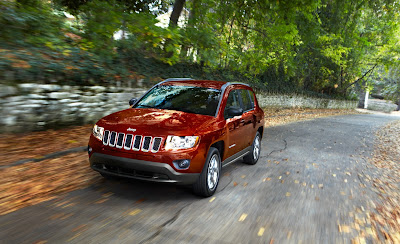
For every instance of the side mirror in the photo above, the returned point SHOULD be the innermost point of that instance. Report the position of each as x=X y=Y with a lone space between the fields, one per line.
x=132 y=101
x=234 y=111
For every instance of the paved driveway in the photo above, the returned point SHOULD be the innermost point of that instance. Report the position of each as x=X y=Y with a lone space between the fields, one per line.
x=310 y=186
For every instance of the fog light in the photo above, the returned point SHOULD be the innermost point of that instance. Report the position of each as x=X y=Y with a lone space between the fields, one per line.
x=182 y=164
x=89 y=149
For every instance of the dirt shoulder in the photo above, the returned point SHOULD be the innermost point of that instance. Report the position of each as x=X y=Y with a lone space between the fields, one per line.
x=280 y=116
x=35 y=145
x=386 y=217
x=34 y=182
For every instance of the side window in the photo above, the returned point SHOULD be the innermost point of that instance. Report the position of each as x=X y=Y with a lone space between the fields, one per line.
x=247 y=101
x=251 y=98
x=233 y=101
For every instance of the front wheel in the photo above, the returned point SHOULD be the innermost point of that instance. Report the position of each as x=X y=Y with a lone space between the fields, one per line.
x=207 y=183
x=254 y=155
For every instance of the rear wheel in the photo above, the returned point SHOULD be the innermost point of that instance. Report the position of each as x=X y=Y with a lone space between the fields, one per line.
x=207 y=183
x=254 y=155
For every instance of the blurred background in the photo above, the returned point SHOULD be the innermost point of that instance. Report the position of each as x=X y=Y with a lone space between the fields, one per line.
x=66 y=55
x=66 y=63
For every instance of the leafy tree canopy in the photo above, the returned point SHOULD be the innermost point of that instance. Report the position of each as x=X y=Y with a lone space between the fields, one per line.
x=321 y=46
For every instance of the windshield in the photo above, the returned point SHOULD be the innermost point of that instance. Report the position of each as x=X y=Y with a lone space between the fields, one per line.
x=190 y=99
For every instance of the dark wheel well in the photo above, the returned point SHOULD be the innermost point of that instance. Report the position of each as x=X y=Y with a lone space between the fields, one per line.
x=261 y=131
x=220 y=147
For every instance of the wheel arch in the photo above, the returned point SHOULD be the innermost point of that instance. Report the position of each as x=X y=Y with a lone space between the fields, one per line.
x=220 y=146
x=261 y=131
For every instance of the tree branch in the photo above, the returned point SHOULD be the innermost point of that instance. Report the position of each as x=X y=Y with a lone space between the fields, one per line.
x=366 y=73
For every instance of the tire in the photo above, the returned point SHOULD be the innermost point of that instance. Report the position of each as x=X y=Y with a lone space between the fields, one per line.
x=254 y=155
x=207 y=183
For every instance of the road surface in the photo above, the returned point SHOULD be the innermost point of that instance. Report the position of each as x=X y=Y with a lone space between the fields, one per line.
x=309 y=186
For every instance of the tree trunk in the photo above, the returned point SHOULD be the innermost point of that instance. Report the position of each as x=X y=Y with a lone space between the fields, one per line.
x=398 y=106
x=191 y=23
x=370 y=70
x=361 y=95
x=123 y=30
x=176 y=12
x=173 y=22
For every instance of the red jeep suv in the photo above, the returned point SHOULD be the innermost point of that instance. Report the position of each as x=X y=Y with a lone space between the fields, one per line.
x=181 y=131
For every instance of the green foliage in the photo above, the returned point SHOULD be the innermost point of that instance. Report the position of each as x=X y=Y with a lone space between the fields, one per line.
x=156 y=6
x=35 y=64
x=387 y=82
x=33 y=24
x=321 y=47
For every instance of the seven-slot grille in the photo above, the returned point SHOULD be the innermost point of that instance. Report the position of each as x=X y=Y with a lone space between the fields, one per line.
x=131 y=142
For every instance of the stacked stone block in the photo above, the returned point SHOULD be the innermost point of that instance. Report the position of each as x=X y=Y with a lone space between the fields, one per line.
x=30 y=106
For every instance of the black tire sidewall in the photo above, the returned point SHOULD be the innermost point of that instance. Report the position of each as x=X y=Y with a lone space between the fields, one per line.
x=201 y=186
x=249 y=158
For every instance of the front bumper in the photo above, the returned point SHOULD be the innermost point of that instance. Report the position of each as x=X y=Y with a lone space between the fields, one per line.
x=139 y=169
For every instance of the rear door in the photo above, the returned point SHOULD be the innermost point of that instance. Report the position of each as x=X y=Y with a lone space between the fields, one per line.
x=248 y=118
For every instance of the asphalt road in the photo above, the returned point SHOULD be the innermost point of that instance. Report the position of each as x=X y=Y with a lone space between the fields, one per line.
x=309 y=185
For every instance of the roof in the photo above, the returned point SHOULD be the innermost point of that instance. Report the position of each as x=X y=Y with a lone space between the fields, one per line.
x=199 y=83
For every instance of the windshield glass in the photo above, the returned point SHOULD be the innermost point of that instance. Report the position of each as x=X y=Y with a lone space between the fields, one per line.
x=190 y=99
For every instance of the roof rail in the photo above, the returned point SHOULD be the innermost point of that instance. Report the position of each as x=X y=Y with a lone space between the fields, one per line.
x=233 y=83
x=176 y=79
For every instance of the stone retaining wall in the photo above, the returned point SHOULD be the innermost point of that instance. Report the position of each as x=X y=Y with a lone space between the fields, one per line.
x=291 y=101
x=28 y=107
x=381 y=105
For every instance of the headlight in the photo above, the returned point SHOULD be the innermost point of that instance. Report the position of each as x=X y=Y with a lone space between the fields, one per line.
x=98 y=132
x=181 y=142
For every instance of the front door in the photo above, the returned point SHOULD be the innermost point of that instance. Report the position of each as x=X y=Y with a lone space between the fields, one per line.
x=234 y=125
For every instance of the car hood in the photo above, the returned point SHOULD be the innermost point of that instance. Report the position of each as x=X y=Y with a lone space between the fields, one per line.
x=155 y=122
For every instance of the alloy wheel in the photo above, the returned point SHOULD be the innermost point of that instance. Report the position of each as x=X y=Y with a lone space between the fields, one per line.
x=256 y=148
x=213 y=172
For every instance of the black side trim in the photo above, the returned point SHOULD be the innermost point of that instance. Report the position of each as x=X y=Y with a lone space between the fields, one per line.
x=236 y=156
